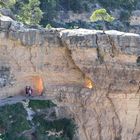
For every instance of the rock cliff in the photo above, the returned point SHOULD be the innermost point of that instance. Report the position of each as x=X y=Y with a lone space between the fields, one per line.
x=94 y=76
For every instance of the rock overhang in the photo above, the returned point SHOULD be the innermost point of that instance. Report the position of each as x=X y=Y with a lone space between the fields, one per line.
x=74 y=37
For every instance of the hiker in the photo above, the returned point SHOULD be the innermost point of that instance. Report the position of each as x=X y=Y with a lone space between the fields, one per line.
x=27 y=90
x=30 y=91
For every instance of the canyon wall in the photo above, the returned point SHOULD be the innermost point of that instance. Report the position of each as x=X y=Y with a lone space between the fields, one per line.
x=93 y=76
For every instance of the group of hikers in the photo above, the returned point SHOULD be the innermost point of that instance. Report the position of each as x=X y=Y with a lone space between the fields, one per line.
x=29 y=91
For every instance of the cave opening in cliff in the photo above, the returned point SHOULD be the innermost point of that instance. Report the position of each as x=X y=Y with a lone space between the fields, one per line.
x=37 y=84
x=88 y=83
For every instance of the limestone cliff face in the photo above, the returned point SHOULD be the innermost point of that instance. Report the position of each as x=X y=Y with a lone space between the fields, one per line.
x=61 y=61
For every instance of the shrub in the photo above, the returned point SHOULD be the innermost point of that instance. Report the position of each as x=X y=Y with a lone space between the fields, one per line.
x=67 y=126
x=41 y=104
x=48 y=26
x=13 y=121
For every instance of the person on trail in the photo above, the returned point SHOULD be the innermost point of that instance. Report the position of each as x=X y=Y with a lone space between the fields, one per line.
x=27 y=90
x=30 y=91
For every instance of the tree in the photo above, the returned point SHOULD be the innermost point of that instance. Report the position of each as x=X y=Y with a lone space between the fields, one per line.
x=2 y=4
x=49 y=8
x=30 y=13
x=48 y=26
x=7 y=3
x=10 y=3
x=101 y=15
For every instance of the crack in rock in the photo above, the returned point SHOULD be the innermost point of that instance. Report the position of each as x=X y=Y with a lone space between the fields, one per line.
x=135 y=123
x=99 y=54
x=118 y=134
x=69 y=54
x=113 y=46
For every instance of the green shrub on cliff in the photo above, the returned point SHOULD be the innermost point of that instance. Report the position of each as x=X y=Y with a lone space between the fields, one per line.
x=101 y=15
x=30 y=13
x=48 y=26
x=39 y=104
x=2 y=4
x=7 y=4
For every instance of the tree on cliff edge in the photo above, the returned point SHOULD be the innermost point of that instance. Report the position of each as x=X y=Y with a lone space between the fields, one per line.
x=2 y=4
x=101 y=15
x=30 y=13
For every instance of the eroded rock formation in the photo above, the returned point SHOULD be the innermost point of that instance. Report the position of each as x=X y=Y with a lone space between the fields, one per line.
x=62 y=61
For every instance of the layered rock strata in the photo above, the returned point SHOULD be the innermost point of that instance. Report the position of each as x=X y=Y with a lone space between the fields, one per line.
x=61 y=61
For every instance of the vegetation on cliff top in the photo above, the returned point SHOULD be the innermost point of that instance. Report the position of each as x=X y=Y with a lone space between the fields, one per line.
x=30 y=13
x=101 y=15
x=45 y=12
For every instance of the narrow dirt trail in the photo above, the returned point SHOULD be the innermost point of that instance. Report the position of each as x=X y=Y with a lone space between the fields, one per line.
x=19 y=98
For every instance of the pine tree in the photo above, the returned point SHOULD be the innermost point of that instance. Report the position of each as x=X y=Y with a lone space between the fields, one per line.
x=101 y=15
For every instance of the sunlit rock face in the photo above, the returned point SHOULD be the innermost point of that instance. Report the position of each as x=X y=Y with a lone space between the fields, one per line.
x=94 y=76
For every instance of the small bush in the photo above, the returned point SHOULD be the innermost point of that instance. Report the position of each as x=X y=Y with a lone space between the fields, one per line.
x=48 y=26
x=41 y=104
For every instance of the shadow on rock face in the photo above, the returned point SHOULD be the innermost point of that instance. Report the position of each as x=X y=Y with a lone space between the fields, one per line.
x=4 y=76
